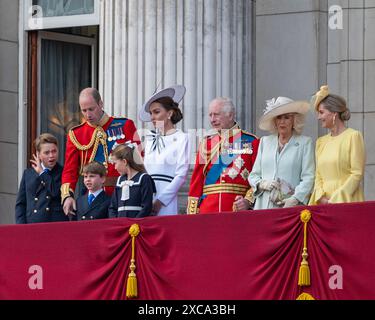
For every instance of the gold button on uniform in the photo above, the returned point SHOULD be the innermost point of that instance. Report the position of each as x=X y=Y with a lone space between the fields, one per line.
x=36 y=199
x=35 y=211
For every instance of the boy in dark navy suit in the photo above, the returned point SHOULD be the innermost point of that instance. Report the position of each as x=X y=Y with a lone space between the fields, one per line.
x=93 y=205
x=38 y=198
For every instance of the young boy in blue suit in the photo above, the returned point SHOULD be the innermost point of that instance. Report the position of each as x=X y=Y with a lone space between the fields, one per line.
x=94 y=204
x=38 y=198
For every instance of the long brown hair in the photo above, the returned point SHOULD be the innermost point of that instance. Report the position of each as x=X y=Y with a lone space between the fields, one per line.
x=130 y=153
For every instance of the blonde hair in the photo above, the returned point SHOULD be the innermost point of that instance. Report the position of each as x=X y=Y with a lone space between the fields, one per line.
x=335 y=103
x=43 y=139
x=298 y=124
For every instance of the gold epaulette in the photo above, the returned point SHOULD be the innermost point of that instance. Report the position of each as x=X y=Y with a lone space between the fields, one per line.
x=66 y=192
x=192 y=207
x=249 y=134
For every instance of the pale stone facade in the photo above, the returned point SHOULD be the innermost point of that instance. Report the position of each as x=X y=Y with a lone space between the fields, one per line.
x=8 y=108
x=298 y=48
x=248 y=50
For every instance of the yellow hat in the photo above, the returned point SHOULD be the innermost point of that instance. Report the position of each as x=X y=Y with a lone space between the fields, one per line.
x=320 y=96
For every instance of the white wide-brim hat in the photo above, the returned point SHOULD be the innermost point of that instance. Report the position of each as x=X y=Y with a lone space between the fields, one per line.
x=279 y=106
x=175 y=92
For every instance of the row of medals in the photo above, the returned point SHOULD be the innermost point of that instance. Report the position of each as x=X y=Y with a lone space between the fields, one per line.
x=115 y=134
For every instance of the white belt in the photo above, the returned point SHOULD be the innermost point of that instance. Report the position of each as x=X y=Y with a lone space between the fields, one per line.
x=129 y=208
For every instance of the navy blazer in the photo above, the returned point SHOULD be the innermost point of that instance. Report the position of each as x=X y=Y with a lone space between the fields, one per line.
x=98 y=209
x=38 y=198
x=139 y=204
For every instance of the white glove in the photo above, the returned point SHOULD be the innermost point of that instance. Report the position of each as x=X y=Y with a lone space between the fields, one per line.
x=290 y=202
x=268 y=185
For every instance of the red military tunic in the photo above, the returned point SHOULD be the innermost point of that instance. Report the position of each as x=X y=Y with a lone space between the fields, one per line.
x=86 y=143
x=223 y=164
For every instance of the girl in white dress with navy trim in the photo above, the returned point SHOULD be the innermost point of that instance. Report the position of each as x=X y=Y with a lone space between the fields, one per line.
x=134 y=191
x=167 y=150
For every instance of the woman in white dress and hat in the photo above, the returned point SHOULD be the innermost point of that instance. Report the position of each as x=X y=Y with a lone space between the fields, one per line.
x=167 y=150
x=284 y=171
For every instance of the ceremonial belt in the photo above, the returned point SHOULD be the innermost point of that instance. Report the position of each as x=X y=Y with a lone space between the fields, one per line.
x=129 y=208
x=110 y=181
x=238 y=189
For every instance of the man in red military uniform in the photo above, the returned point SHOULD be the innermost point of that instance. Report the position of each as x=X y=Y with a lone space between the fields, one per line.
x=224 y=161
x=93 y=140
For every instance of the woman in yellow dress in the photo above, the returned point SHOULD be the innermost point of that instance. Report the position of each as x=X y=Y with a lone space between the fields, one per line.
x=340 y=155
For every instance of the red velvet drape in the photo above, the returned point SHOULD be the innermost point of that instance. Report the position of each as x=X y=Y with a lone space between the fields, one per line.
x=249 y=255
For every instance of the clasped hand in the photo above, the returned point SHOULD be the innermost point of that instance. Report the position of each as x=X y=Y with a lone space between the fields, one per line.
x=268 y=185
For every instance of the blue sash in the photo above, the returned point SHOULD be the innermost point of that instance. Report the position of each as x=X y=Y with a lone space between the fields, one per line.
x=115 y=128
x=222 y=163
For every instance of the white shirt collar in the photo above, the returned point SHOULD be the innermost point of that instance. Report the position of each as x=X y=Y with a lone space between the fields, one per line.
x=96 y=193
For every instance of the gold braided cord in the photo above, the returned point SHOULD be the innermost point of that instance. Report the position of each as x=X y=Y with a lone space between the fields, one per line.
x=132 y=286
x=304 y=271
x=99 y=137
x=80 y=146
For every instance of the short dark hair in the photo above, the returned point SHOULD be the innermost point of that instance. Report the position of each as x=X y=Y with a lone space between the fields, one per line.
x=95 y=168
x=43 y=139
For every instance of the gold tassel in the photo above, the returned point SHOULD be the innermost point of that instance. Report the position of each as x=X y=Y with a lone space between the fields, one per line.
x=305 y=296
x=131 y=286
x=304 y=270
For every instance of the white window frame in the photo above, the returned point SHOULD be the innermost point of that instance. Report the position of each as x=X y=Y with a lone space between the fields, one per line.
x=40 y=23
x=45 y=35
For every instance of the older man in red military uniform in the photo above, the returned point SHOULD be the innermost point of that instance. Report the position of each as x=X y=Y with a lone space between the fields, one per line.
x=93 y=140
x=224 y=161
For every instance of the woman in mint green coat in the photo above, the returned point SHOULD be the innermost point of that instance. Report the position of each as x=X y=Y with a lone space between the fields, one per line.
x=284 y=171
